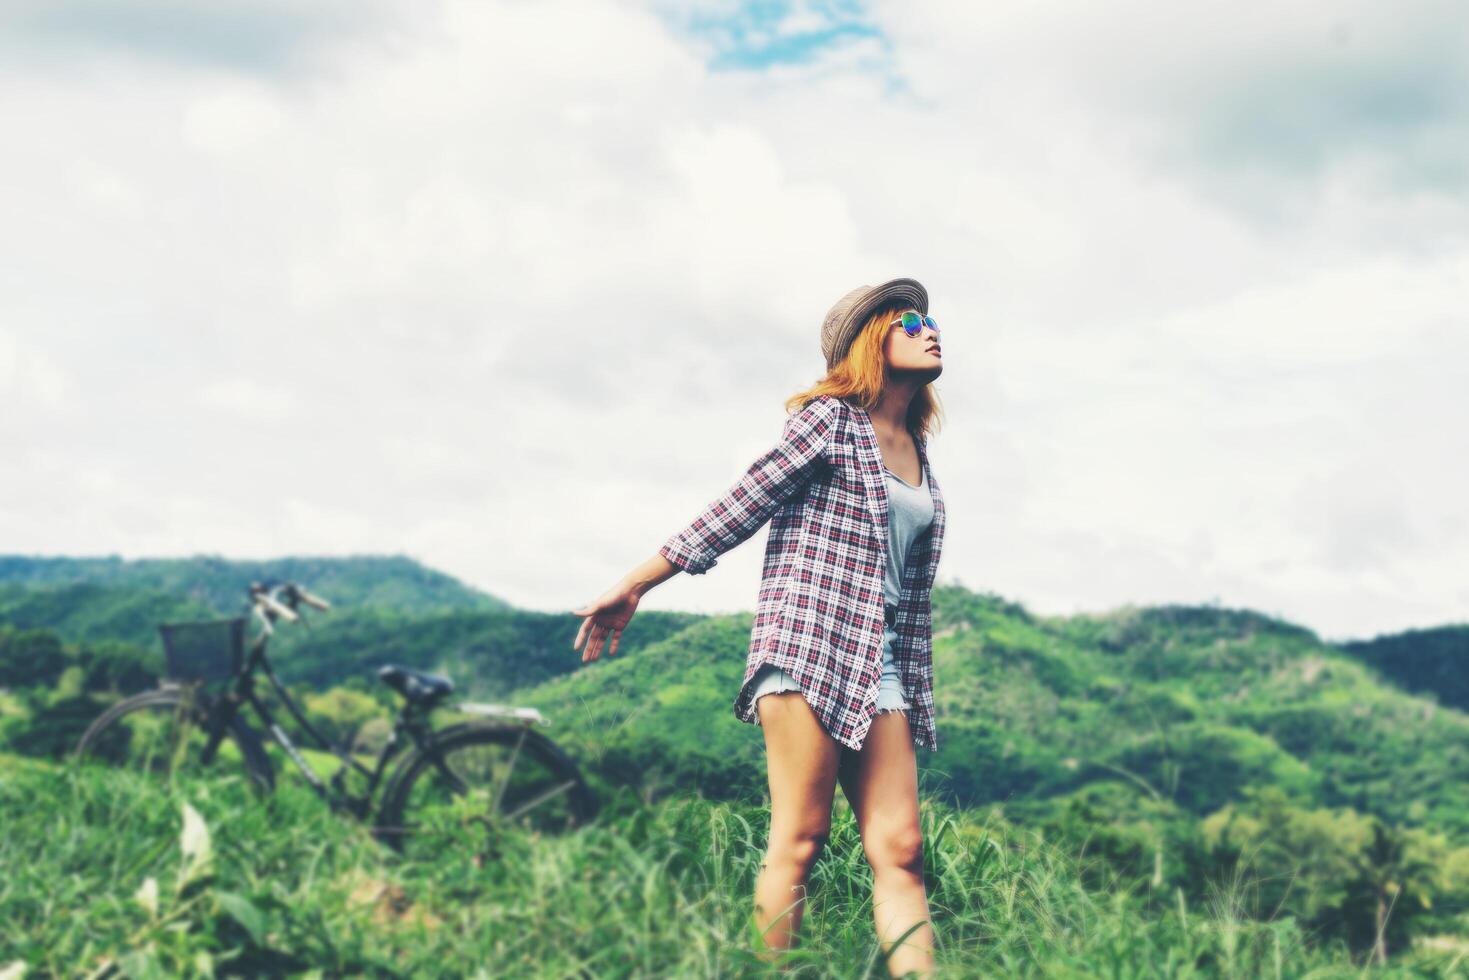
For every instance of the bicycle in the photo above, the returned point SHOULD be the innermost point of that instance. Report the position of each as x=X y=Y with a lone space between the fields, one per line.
x=492 y=770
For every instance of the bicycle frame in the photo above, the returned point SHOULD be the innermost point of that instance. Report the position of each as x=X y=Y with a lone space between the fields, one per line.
x=242 y=692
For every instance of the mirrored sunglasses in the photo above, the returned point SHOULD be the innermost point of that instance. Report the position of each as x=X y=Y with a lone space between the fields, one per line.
x=913 y=323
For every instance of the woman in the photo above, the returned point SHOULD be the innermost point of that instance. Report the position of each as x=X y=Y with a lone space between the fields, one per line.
x=839 y=674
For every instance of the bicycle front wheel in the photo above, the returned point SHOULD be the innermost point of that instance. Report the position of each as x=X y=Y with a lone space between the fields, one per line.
x=166 y=733
x=472 y=782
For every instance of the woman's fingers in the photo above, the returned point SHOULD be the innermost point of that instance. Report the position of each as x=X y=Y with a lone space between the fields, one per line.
x=583 y=638
x=592 y=636
x=589 y=611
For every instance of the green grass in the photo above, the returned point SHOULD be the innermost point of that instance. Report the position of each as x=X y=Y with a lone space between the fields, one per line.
x=661 y=890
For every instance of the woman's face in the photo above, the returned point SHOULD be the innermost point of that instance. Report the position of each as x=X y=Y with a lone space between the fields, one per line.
x=918 y=354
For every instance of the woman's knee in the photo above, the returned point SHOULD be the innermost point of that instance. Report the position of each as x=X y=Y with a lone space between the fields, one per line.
x=800 y=849
x=899 y=847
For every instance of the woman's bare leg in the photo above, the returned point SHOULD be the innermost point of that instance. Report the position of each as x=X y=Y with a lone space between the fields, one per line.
x=881 y=784
x=802 y=762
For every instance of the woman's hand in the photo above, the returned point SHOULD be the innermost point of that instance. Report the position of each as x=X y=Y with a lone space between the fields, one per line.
x=608 y=615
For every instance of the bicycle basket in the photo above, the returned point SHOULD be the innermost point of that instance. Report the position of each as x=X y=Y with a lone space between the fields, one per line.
x=212 y=650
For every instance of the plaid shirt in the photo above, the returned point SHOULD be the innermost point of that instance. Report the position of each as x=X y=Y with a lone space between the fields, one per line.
x=819 y=613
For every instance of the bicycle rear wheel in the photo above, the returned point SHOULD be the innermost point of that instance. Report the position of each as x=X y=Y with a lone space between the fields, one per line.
x=472 y=782
x=166 y=732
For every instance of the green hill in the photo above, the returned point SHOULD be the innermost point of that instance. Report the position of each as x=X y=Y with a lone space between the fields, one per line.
x=85 y=612
x=390 y=582
x=1182 y=707
x=488 y=654
x=1432 y=662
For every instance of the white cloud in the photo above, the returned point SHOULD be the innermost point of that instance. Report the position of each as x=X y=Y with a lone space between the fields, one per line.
x=29 y=379
x=517 y=288
x=231 y=116
x=248 y=400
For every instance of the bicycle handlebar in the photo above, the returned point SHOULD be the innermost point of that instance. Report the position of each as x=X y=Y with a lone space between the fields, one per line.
x=278 y=600
x=315 y=601
x=276 y=608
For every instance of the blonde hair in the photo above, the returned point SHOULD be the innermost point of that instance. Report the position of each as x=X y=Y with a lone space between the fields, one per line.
x=858 y=378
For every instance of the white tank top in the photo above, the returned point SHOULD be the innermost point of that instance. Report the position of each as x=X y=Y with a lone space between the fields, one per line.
x=910 y=512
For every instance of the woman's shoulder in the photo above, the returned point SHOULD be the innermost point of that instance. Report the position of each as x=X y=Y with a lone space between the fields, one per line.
x=821 y=418
x=824 y=405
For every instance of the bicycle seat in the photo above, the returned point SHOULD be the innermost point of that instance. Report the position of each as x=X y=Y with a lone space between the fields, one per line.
x=418 y=687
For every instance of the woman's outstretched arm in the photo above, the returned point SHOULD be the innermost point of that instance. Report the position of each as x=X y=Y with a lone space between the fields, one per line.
x=735 y=515
x=742 y=509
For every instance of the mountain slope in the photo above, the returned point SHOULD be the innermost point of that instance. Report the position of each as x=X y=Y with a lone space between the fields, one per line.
x=381 y=581
x=1185 y=706
x=86 y=612
x=488 y=653
x=1428 y=661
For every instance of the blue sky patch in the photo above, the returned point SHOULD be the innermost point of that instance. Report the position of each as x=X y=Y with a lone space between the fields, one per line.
x=762 y=33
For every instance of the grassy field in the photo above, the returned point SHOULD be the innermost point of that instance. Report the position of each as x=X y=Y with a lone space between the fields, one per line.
x=1170 y=791
x=105 y=874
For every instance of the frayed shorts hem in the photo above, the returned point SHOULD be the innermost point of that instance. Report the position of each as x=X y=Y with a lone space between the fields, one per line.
x=770 y=679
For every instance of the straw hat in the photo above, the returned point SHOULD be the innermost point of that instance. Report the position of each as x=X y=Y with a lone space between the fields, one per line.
x=845 y=319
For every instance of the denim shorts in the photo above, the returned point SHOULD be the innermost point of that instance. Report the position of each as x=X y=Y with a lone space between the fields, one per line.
x=770 y=679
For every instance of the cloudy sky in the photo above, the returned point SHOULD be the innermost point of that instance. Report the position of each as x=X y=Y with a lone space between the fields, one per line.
x=517 y=288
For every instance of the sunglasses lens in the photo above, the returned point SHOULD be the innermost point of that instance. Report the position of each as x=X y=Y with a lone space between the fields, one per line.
x=912 y=324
